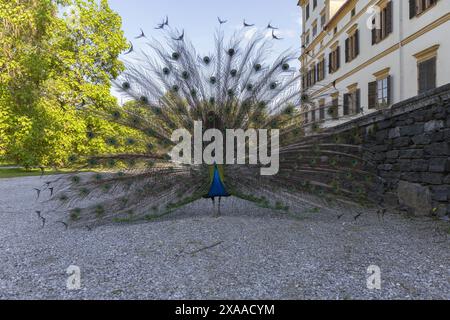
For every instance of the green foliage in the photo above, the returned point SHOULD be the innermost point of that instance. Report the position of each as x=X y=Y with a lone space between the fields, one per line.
x=56 y=60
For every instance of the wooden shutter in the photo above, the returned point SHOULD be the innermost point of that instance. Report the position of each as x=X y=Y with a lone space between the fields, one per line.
x=335 y=105
x=372 y=94
x=422 y=77
x=323 y=69
x=316 y=73
x=330 y=66
x=389 y=90
x=374 y=33
x=412 y=8
x=347 y=51
x=346 y=103
x=431 y=73
x=358 y=101
x=356 y=43
x=389 y=23
x=338 y=57
x=427 y=75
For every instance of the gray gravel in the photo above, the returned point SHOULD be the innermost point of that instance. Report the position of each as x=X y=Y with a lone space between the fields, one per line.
x=253 y=254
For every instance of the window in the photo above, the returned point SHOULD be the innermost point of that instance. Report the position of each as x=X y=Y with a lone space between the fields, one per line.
x=381 y=32
x=314 y=4
x=313 y=115
x=352 y=102
x=333 y=110
x=417 y=7
x=380 y=92
x=323 y=18
x=307 y=11
x=304 y=81
x=353 y=12
x=383 y=92
x=306 y=116
x=426 y=68
x=352 y=46
x=314 y=32
x=427 y=75
x=334 y=63
x=335 y=30
x=322 y=109
x=311 y=76
x=306 y=38
x=320 y=69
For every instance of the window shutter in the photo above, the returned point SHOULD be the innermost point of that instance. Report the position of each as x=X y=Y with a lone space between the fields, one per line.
x=330 y=67
x=389 y=18
x=374 y=33
x=356 y=43
x=422 y=77
x=315 y=74
x=317 y=71
x=335 y=106
x=389 y=90
x=347 y=50
x=346 y=103
x=372 y=94
x=358 y=101
x=432 y=73
x=412 y=8
x=323 y=69
x=338 y=57
x=427 y=75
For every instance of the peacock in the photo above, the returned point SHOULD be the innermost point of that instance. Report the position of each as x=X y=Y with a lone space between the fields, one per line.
x=240 y=84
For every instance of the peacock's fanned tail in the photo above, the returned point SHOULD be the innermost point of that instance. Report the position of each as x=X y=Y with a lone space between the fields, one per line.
x=170 y=86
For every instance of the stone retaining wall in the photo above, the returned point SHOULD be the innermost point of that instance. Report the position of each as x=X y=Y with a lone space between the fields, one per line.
x=410 y=145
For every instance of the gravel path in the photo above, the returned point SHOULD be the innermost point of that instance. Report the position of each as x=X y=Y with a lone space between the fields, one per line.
x=246 y=253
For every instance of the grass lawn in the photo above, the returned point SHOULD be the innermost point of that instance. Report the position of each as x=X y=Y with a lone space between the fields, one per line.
x=21 y=172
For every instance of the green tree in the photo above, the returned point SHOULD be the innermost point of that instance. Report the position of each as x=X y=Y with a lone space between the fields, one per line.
x=57 y=58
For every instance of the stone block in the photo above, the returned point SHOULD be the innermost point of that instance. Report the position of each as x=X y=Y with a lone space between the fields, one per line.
x=438 y=149
x=384 y=124
x=411 y=130
x=392 y=154
x=419 y=165
x=401 y=142
x=411 y=154
x=394 y=133
x=411 y=176
x=440 y=193
x=415 y=196
x=447 y=179
x=385 y=167
x=431 y=178
x=409 y=121
x=421 y=139
x=433 y=125
x=438 y=165
x=381 y=135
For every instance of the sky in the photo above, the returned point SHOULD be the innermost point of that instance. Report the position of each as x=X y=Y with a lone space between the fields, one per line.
x=199 y=19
